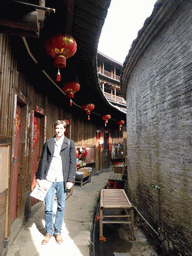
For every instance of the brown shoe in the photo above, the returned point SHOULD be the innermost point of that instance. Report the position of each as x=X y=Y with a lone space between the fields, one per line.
x=59 y=238
x=46 y=239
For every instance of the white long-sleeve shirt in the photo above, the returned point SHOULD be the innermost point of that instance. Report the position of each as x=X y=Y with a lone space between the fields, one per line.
x=55 y=173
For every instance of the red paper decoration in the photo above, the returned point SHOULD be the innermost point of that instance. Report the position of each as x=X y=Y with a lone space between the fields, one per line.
x=120 y=123
x=88 y=108
x=106 y=118
x=17 y=123
x=36 y=132
x=60 y=47
x=70 y=88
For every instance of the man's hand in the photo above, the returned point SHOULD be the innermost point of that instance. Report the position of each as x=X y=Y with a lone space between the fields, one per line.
x=69 y=185
x=39 y=182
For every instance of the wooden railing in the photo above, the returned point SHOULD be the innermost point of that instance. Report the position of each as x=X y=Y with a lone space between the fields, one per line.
x=109 y=74
x=114 y=98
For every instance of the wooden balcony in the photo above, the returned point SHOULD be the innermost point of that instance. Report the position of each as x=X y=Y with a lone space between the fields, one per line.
x=114 y=98
x=108 y=74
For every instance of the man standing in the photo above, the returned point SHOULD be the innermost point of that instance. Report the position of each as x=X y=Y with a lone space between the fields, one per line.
x=58 y=165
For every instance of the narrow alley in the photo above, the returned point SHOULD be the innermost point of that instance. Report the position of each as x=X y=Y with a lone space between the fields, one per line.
x=78 y=228
x=131 y=119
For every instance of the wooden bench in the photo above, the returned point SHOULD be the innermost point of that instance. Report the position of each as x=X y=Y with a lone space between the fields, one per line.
x=114 y=199
x=116 y=180
x=119 y=168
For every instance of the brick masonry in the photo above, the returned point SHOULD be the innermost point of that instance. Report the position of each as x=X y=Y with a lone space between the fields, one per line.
x=159 y=131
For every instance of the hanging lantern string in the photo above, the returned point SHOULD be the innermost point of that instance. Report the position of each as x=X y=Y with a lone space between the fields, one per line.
x=53 y=82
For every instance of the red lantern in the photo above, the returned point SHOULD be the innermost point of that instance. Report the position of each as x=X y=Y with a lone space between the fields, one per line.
x=60 y=47
x=120 y=123
x=106 y=118
x=88 y=108
x=70 y=88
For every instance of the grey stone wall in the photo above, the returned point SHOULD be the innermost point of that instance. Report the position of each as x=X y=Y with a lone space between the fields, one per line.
x=159 y=131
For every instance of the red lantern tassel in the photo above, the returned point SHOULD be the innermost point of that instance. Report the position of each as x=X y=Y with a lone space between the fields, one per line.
x=58 y=78
x=70 y=102
x=88 y=117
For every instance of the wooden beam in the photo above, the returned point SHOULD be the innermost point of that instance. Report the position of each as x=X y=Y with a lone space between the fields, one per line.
x=28 y=22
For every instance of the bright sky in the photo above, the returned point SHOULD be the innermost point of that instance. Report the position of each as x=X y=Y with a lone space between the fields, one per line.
x=124 y=19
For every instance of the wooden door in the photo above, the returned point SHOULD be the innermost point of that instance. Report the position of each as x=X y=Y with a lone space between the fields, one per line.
x=38 y=140
x=106 y=155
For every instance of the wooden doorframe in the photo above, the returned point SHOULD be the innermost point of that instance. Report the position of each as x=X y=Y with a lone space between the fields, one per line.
x=20 y=100
x=38 y=112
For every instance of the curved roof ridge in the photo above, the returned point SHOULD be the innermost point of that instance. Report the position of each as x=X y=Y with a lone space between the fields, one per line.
x=148 y=20
x=163 y=10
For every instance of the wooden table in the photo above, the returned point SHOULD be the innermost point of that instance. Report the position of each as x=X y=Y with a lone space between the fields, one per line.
x=114 y=199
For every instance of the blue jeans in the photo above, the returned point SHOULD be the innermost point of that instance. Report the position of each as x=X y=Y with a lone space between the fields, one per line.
x=49 y=201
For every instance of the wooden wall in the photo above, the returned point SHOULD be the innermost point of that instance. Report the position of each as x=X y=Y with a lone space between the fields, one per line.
x=8 y=78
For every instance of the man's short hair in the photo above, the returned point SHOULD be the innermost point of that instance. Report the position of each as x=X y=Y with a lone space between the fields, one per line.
x=58 y=122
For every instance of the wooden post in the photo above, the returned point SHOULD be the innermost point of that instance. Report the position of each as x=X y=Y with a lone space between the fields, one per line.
x=100 y=222
x=132 y=223
x=101 y=237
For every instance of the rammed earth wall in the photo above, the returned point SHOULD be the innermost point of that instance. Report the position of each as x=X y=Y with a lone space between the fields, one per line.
x=159 y=130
